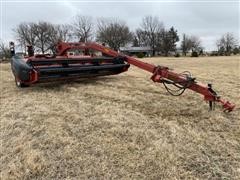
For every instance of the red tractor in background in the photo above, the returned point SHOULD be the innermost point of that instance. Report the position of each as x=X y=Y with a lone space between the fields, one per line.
x=83 y=60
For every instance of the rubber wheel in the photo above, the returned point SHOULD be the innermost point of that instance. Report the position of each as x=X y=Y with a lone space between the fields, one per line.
x=20 y=84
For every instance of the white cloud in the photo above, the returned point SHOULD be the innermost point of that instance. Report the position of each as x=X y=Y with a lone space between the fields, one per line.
x=207 y=20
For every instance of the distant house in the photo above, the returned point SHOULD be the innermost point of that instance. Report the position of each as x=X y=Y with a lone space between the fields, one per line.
x=131 y=51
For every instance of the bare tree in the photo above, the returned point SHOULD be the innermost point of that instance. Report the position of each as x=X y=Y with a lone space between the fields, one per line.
x=140 y=38
x=218 y=44
x=43 y=36
x=25 y=35
x=4 y=50
x=226 y=44
x=153 y=29
x=44 y=31
x=83 y=28
x=195 y=43
x=185 y=44
x=114 y=33
x=60 y=33
x=63 y=32
x=190 y=43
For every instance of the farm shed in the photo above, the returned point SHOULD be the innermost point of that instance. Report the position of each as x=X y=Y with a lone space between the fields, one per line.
x=147 y=51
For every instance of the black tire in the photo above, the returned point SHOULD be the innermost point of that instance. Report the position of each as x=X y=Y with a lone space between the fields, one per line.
x=118 y=60
x=19 y=84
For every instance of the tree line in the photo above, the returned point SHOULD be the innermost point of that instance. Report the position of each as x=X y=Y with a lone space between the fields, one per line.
x=115 y=33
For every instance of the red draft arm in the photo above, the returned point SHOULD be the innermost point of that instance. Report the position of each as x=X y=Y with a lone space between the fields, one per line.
x=161 y=74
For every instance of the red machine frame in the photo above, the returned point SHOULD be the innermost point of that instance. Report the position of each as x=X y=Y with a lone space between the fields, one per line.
x=160 y=74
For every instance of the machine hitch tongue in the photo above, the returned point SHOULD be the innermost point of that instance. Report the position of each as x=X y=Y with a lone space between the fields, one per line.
x=227 y=106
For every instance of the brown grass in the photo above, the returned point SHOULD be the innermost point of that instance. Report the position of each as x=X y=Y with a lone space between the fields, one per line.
x=121 y=127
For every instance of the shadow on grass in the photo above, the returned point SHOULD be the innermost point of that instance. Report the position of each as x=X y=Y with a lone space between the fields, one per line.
x=59 y=84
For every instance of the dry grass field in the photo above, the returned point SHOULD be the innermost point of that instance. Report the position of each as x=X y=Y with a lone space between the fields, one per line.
x=121 y=127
